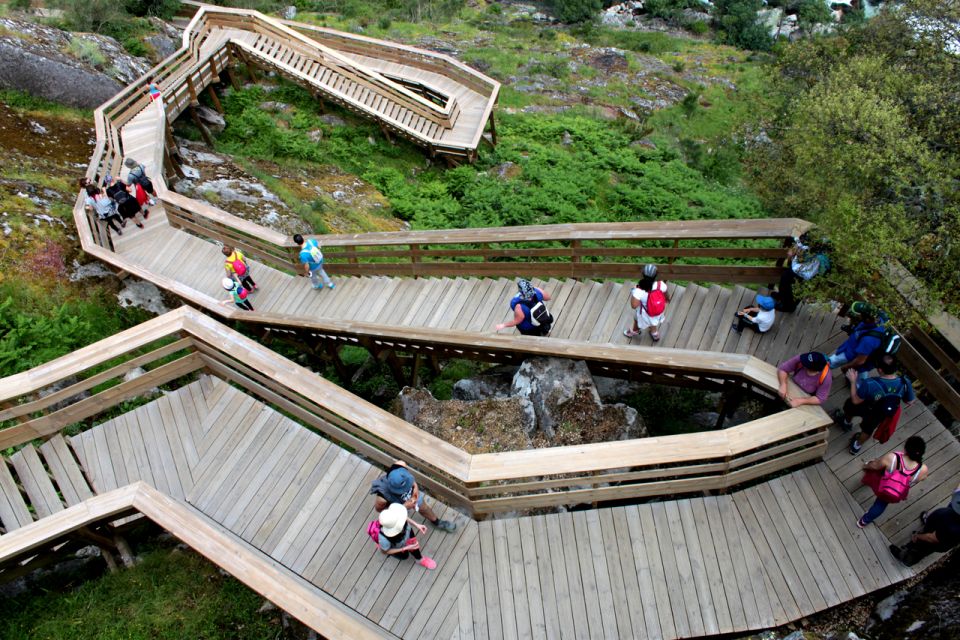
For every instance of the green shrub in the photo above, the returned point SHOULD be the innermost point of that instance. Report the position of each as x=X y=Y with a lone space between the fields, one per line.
x=576 y=11
x=88 y=51
x=737 y=24
x=699 y=27
x=164 y=9
x=20 y=5
x=90 y=15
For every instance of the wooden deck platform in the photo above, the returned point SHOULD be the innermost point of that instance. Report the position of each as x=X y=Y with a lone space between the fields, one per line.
x=755 y=558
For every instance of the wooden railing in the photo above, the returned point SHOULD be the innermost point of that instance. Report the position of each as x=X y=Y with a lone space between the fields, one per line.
x=481 y=483
x=255 y=569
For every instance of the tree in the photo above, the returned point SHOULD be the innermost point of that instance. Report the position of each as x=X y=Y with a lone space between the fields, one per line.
x=165 y=9
x=868 y=147
x=574 y=11
x=736 y=23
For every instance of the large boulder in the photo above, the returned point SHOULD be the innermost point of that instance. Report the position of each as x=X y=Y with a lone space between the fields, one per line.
x=78 y=70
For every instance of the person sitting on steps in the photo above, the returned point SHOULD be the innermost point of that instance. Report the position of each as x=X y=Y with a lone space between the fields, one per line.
x=759 y=317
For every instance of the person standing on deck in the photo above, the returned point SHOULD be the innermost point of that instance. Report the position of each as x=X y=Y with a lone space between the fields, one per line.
x=530 y=315
x=649 y=299
x=811 y=373
x=892 y=475
x=237 y=267
x=874 y=400
x=399 y=486
x=940 y=533
x=312 y=259
x=396 y=536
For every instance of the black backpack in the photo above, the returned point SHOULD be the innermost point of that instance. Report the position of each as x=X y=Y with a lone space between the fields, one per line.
x=886 y=406
x=539 y=316
x=889 y=343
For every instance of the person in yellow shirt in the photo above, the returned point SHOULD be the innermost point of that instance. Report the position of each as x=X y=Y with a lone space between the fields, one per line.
x=237 y=267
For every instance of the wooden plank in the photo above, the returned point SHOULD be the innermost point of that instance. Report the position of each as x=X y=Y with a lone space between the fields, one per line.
x=127 y=455
x=636 y=571
x=534 y=580
x=757 y=604
x=506 y=594
x=477 y=600
x=176 y=416
x=101 y=453
x=491 y=592
x=711 y=601
x=36 y=484
x=109 y=429
x=691 y=585
x=65 y=470
x=662 y=590
x=168 y=456
x=611 y=552
x=716 y=560
x=555 y=616
x=13 y=509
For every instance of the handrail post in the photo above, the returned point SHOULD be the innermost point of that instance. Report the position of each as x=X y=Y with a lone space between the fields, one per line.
x=415 y=259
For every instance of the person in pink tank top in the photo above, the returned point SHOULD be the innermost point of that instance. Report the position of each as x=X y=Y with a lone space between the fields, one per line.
x=893 y=475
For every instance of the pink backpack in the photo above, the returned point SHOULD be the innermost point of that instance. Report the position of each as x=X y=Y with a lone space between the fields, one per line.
x=373 y=530
x=894 y=485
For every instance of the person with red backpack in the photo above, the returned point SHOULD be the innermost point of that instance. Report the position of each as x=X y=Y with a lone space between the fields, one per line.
x=238 y=295
x=811 y=373
x=649 y=299
x=875 y=399
x=393 y=531
x=237 y=267
x=892 y=475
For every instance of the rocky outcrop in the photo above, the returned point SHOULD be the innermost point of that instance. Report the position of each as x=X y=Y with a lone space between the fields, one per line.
x=78 y=70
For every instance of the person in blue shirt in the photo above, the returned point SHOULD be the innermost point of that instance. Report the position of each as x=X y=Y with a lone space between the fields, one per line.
x=312 y=259
x=521 y=304
x=855 y=351
x=869 y=397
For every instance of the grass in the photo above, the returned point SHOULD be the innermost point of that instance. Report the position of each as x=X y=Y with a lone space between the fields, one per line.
x=88 y=51
x=26 y=103
x=171 y=594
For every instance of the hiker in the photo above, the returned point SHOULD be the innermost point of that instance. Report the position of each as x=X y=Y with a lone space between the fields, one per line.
x=892 y=475
x=238 y=295
x=312 y=259
x=807 y=260
x=940 y=533
x=152 y=90
x=127 y=205
x=396 y=537
x=811 y=373
x=758 y=317
x=398 y=485
x=875 y=400
x=649 y=299
x=138 y=175
x=530 y=315
x=237 y=267
x=865 y=339
x=100 y=203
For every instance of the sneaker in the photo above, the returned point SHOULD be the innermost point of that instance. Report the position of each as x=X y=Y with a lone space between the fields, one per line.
x=861 y=523
x=427 y=563
x=445 y=525
x=855 y=446
x=318 y=286
x=153 y=202
x=146 y=213
x=837 y=416
x=630 y=333
x=140 y=225
x=896 y=552
x=655 y=336
x=734 y=327
x=332 y=286
x=923 y=517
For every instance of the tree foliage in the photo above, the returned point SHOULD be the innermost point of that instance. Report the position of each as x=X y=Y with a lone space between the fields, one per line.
x=573 y=11
x=869 y=148
x=736 y=23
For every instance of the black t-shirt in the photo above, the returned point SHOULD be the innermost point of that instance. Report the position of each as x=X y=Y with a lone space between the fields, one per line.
x=945 y=523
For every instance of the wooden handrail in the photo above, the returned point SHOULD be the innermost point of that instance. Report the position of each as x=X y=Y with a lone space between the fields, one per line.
x=309 y=604
x=481 y=483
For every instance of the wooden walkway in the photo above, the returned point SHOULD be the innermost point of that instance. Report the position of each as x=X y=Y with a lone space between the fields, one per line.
x=756 y=558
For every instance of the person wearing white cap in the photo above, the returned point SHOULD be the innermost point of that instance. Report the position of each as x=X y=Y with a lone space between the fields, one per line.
x=940 y=533
x=238 y=295
x=396 y=536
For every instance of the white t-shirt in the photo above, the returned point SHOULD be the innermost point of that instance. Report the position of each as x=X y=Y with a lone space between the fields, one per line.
x=643 y=319
x=764 y=320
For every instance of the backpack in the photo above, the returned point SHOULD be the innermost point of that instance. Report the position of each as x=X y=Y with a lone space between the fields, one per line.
x=889 y=343
x=824 y=261
x=373 y=530
x=313 y=250
x=242 y=293
x=103 y=206
x=539 y=316
x=656 y=301
x=887 y=406
x=239 y=266
x=894 y=485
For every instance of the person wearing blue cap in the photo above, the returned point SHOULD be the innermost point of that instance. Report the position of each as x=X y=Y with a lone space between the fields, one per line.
x=758 y=317
x=399 y=486
x=811 y=373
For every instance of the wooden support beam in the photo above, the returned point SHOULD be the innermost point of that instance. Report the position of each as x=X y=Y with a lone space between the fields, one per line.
x=204 y=132
x=493 y=129
x=333 y=353
x=214 y=98
x=386 y=132
x=232 y=78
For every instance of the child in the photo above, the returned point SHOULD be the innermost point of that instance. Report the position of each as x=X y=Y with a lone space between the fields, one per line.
x=649 y=300
x=237 y=267
x=396 y=536
x=238 y=295
x=759 y=317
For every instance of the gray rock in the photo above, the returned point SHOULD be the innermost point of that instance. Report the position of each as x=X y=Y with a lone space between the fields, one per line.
x=211 y=118
x=267 y=607
x=139 y=293
x=796 y=635
x=915 y=626
x=333 y=120
x=567 y=139
x=315 y=136
x=494 y=383
x=190 y=172
x=57 y=386
x=290 y=12
x=413 y=401
x=274 y=106
x=888 y=606
x=38 y=128
x=89 y=270
x=163 y=45
x=549 y=384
